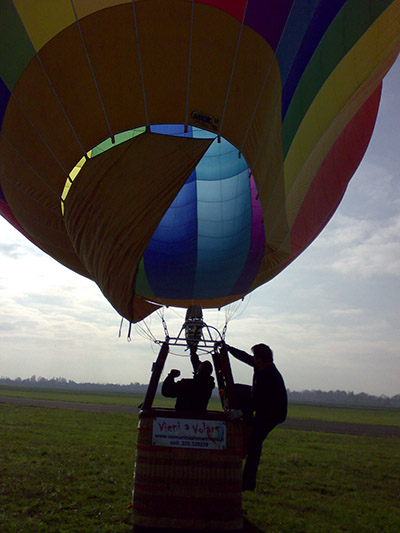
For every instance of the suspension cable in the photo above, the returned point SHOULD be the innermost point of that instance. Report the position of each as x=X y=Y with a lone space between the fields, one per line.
x=140 y=65
x=189 y=67
x=232 y=69
x=92 y=71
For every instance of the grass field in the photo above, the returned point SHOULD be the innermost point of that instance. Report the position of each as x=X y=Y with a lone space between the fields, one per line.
x=71 y=471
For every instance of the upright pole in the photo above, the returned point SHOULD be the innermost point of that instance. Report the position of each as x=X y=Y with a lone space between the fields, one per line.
x=155 y=376
x=224 y=376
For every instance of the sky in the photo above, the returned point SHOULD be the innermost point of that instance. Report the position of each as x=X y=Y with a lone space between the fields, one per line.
x=331 y=317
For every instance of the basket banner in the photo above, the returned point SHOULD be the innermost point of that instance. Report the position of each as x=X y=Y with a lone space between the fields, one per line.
x=189 y=433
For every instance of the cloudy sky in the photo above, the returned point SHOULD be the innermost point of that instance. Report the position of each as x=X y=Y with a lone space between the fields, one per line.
x=331 y=318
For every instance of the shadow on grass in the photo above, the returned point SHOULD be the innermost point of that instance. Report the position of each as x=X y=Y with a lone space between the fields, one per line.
x=248 y=527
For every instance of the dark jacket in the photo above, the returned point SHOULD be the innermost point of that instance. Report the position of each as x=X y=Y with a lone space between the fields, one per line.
x=268 y=393
x=191 y=394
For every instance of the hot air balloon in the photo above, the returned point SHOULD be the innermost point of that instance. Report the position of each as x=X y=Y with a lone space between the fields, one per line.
x=185 y=152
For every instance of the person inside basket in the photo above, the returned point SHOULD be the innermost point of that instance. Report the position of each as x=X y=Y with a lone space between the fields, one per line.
x=268 y=403
x=191 y=394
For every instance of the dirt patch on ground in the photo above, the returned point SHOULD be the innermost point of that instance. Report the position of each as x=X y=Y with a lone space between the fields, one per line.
x=302 y=424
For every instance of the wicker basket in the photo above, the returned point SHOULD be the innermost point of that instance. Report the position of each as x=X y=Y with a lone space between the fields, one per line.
x=187 y=488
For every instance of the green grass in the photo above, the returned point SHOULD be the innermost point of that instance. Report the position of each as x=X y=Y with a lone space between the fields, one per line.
x=67 y=471
x=316 y=482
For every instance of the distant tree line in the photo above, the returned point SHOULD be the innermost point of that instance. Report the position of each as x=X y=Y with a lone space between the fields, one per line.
x=341 y=397
x=317 y=397
x=62 y=383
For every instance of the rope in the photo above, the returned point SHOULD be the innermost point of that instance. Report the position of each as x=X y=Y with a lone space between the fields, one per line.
x=164 y=323
x=39 y=135
x=144 y=330
x=39 y=60
x=120 y=327
x=92 y=71
x=61 y=106
x=189 y=67
x=224 y=330
x=140 y=66
x=32 y=169
x=232 y=69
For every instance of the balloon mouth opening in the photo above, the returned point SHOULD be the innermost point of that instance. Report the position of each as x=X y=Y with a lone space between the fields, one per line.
x=105 y=145
x=180 y=130
x=209 y=240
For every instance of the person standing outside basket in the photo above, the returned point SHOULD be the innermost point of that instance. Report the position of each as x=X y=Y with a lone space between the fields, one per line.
x=268 y=402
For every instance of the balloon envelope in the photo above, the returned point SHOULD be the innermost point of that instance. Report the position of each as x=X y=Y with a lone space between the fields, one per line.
x=181 y=152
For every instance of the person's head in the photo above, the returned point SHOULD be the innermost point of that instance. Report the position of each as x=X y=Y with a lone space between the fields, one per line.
x=204 y=369
x=262 y=355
